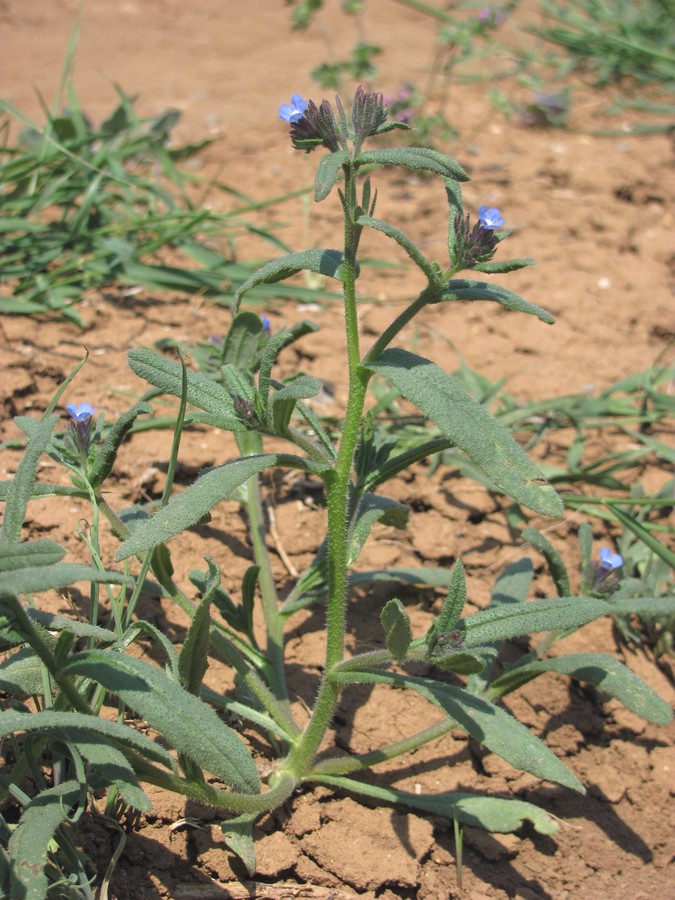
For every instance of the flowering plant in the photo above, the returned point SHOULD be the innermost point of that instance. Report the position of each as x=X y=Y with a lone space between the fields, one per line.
x=454 y=665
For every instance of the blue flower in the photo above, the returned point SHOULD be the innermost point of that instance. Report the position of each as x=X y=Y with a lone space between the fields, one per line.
x=610 y=561
x=80 y=413
x=490 y=218
x=266 y=324
x=293 y=111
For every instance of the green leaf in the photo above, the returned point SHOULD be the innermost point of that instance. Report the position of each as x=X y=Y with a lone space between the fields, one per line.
x=328 y=173
x=202 y=391
x=323 y=262
x=21 y=674
x=488 y=724
x=29 y=844
x=181 y=718
x=396 y=623
x=493 y=814
x=283 y=400
x=511 y=620
x=463 y=290
x=243 y=341
x=110 y=768
x=30 y=581
x=599 y=669
x=404 y=241
x=374 y=508
x=29 y=553
x=74 y=724
x=454 y=602
x=500 y=268
x=105 y=456
x=193 y=657
x=21 y=487
x=238 y=835
x=417 y=158
x=187 y=508
x=466 y=422
x=553 y=559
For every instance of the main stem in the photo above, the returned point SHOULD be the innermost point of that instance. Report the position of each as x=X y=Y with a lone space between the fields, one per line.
x=338 y=499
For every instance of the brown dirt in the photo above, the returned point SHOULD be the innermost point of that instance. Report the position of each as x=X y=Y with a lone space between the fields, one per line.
x=597 y=214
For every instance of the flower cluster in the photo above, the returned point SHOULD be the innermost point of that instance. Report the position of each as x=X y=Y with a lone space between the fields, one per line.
x=604 y=573
x=476 y=245
x=316 y=126
x=79 y=434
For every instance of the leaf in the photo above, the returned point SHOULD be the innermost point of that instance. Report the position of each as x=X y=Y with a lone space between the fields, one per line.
x=243 y=341
x=466 y=422
x=21 y=486
x=494 y=814
x=283 y=400
x=463 y=290
x=328 y=173
x=511 y=620
x=74 y=724
x=372 y=509
x=30 y=581
x=111 y=768
x=238 y=835
x=29 y=553
x=600 y=669
x=454 y=602
x=202 y=391
x=488 y=724
x=21 y=674
x=396 y=623
x=553 y=559
x=417 y=158
x=508 y=265
x=181 y=718
x=193 y=657
x=187 y=508
x=29 y=844
x=323 y=262
x=105 y=456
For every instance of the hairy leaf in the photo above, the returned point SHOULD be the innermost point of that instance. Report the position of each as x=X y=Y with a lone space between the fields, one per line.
x=396 y=623
x=466 y=422
x=462 y=290
x=417 y=158
x=29 y=553
x=192 y=727
x=187 y=508
x=30 y=581
x=328 y=173
x=193 y=657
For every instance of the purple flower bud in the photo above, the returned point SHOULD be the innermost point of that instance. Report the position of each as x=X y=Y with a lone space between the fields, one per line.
x=293 y=111
x=80 y=413
x=610 y=561
x=490 y=218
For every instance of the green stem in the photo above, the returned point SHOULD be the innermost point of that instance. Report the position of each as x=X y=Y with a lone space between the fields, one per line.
x=338 y=485
x=344 y=764
x=399 y=323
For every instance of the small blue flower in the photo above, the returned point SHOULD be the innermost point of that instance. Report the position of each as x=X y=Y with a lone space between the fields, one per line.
x=80 y=413
x=610 y=561
x=266 y=324
x=490 y=218
x=293 y=111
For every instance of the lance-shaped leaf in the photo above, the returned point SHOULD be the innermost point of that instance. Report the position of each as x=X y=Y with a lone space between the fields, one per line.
x=556 y=566
x=202 y=391
x=29 y=553
x=511 y=620
x=181 y=718
x=417 y=158
x=328 y=173
x=193 y=657
x=462 y=290
x=323 y=262
x=396 y=623
x=187 y=508
x=404 y=241
x=30 y=581
x=507 y=265
x=469 y=426
x=21 y=674
x=29 y=844
x=495 y=814
x=238 y=835
x=242 y=344
x=374 y=508
x=283 y=401
x=21 y=486
x=74 y=724
x=599 y=669
x=105 y=455
x=110 y=767
x=488 y=724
